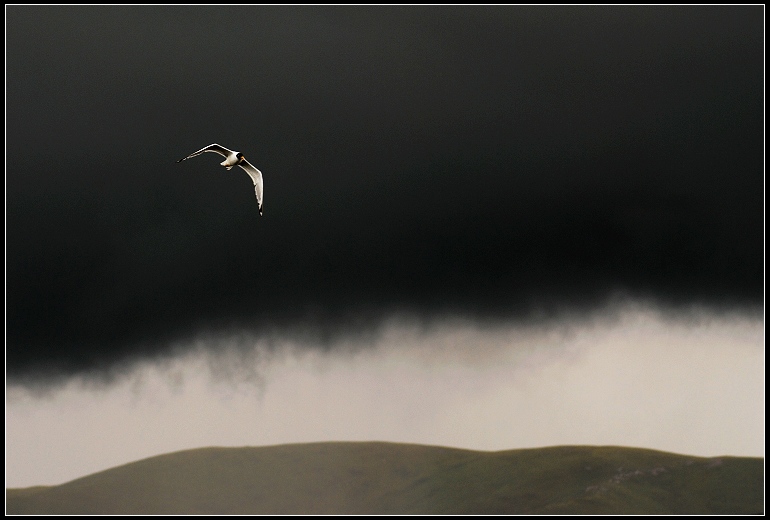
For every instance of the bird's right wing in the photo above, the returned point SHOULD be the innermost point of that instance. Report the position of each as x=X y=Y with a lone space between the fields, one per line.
x=221 y=150
x=256 y=176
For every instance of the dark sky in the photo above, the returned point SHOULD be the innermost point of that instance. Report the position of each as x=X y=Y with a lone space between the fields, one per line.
x=503 y=163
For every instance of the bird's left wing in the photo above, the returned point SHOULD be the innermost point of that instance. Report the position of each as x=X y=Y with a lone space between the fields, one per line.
x=256 y=176
x=216 y=148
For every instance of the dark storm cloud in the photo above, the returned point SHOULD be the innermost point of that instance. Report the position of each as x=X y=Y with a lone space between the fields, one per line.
x=488 y=161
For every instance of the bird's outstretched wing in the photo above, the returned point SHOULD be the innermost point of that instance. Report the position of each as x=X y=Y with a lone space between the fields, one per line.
x=216 y=148
x=256 y=176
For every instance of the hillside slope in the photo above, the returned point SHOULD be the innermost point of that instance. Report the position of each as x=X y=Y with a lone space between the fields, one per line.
x=382 y=478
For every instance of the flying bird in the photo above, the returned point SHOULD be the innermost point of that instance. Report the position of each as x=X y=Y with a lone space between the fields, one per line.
x=233 y=158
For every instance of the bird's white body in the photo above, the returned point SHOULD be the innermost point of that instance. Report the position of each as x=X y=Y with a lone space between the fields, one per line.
x=233 y=158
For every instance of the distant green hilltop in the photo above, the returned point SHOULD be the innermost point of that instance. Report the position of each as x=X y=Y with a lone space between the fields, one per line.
x=391 y=478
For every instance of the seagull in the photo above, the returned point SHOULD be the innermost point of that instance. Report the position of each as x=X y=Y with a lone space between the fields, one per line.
x=231 y=159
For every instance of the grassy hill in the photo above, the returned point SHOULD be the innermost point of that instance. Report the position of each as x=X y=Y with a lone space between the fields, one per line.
x=383 y=478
